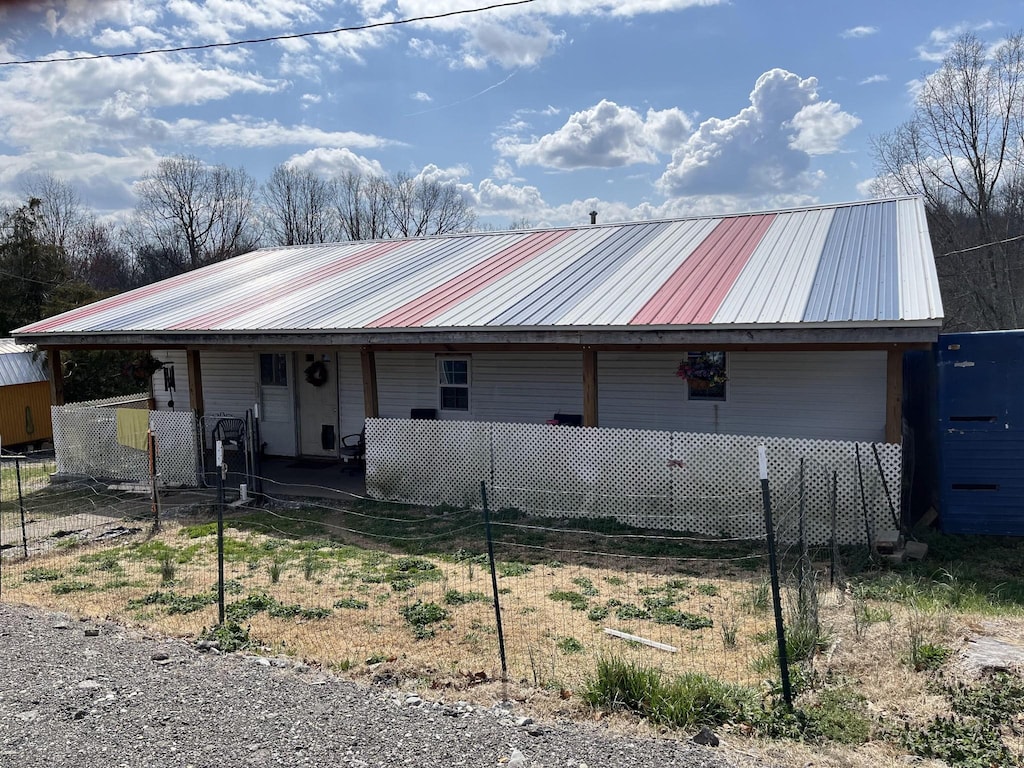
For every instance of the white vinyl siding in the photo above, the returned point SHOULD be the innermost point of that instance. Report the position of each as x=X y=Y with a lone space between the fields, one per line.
x=509 y=387
x=229 y=382
x=350 y=382
x=407 y=380
x=828 y=395
x=526 y=386
x=175 y=357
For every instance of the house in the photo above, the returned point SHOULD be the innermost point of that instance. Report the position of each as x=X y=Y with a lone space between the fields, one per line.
x=805 y=314
x=24 y=396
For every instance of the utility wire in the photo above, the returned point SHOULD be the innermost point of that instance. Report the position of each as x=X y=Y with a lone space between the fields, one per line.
x=984 y=245
x=272 y=38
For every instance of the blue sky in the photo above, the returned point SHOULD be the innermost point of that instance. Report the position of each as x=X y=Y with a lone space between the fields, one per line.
x=540 y=112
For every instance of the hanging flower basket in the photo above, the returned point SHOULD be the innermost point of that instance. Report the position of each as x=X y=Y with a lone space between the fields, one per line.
x=703 y=371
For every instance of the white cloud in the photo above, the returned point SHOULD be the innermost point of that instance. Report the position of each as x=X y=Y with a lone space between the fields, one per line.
x=855 y=32
x=520 y=36
x=821 y=127
x=510 y=47
x=941 y=39
x=763 y=150
x=603 y=136
x=335 y=163
x=128 y=38
x=248 y=132
x=80 y=18
x=874 y=79
x=503 y=171
x=666 y=129
x=110 y=102
x=421 y=96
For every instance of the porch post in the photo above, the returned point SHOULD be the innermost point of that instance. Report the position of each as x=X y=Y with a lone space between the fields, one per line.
x=195 y=383
x=894 y=396
x=589 y=387
x=56 y=376
x=369 y=366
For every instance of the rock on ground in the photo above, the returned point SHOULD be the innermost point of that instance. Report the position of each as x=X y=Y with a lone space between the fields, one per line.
x=119 y=698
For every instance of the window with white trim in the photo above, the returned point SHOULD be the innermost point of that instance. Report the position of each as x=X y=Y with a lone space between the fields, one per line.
x=453 y=383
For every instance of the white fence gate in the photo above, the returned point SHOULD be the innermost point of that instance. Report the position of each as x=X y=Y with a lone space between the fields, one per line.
x=703 y=483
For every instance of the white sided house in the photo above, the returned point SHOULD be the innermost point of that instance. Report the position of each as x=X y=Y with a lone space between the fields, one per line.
x=802 y=317
x=679 y=345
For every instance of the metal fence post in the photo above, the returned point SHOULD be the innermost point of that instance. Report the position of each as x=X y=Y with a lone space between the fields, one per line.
x=494 y=582
x=222 y=471
x=834 y=502
x=769 y=528
x=21 y=505
x=151 y=447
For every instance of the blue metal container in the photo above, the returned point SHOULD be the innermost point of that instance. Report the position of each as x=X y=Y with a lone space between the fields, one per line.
x=981 y=432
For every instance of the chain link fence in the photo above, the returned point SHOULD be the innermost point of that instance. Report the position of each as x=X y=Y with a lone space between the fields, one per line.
x=364 y=585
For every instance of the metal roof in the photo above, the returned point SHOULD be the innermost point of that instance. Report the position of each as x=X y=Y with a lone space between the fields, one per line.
x=837 y=266
x=19 y=364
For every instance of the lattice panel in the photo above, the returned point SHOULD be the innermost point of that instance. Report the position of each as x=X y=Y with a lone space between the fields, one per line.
x=85 y=443
x=702 y=483
x=427 y=462
x=575 y=472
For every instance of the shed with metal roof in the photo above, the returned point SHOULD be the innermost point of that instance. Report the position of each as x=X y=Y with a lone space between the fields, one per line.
x=807 y=312
x=24 y=395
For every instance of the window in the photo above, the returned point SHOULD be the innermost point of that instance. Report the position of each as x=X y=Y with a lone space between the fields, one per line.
x=453 y=382
x=273 y=369
x=707 y=375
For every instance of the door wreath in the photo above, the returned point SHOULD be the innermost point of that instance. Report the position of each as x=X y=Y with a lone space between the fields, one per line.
x=316 y=374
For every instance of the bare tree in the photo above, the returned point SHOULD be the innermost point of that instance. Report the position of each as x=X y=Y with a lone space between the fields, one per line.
x=363 y=206
x=299 y=207
x=377 y=207
x=195 y=213
x=962 y=151
x=60 y=214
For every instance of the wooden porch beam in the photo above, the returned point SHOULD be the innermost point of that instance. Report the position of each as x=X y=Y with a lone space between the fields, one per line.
x=369 y=366
x=56 y=376
x=195 y=383
x=589 y=387
x=894 y=396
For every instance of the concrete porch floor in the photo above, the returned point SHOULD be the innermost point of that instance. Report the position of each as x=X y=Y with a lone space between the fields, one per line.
x=314 y=478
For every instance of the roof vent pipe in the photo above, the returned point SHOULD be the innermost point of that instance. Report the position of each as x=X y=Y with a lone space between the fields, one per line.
x=593 y=217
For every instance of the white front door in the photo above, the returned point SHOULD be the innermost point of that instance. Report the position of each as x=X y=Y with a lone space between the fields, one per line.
x=316 y=375
x=277 y=402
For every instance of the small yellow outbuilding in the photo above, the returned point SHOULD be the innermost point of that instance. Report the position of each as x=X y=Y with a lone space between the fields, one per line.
x=24 y=396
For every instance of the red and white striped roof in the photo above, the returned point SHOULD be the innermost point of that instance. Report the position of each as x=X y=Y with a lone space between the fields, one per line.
x=844 y=265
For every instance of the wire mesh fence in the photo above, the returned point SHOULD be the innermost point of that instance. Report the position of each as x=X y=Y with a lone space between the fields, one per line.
x=352 y=582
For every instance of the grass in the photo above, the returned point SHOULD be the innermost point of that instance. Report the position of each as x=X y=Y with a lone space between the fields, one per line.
x=686 y=701
x=419 y=602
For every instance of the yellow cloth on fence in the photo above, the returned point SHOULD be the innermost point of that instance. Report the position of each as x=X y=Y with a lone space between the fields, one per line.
x=132 y=426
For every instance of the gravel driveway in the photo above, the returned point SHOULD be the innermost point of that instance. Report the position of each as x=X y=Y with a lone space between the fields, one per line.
x=119 y=698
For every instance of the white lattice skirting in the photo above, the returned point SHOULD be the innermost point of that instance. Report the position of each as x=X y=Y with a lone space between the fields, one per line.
x=85 y=443
x=703 y=483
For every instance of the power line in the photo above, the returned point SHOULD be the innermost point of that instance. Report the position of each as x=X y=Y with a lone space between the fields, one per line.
x=984 y=245
x=272 y=38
